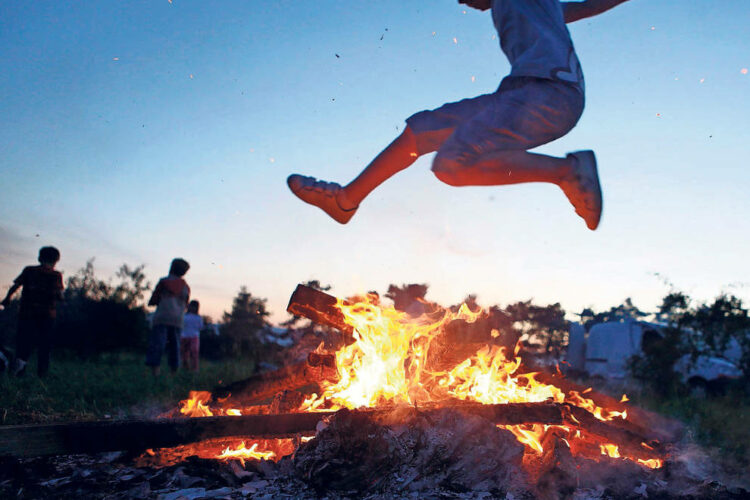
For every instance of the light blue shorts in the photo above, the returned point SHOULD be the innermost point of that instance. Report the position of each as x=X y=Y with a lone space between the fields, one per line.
x=522 y=114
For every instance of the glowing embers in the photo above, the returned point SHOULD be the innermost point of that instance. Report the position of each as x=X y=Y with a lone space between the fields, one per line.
x=534 y=435
x=242 y=453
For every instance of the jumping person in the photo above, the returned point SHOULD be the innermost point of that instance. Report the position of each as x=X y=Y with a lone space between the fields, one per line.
x=484 y=141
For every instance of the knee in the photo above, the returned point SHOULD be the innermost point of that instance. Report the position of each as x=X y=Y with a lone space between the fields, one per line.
x=448 y=172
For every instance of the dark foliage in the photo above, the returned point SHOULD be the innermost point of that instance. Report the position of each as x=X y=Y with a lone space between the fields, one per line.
x=703 y=329
x=98 y=316
x=241 y=327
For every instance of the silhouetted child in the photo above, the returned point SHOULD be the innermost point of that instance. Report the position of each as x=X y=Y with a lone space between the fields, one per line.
x=170 y=297
x=42 y=289
x=484 y=141
x=190 y=340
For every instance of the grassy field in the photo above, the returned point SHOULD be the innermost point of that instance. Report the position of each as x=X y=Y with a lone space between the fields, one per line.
x=721 y=422
x=114 y=386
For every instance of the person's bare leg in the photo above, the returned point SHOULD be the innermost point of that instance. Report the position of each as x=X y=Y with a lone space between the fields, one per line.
x=341 y=203
x=399 y=154
x=576 y=175
x=504 y=167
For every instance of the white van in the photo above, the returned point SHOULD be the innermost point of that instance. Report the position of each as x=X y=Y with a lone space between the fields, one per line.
x=608 y=346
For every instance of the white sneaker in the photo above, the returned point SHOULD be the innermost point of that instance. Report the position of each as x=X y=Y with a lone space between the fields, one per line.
x=583 y=189
x=321 y=194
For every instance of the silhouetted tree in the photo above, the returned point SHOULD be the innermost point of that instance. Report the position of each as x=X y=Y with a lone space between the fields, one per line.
x=654 y=366
x=718 y=324
x=550 y=327
x=242 y=324
x=101 y=316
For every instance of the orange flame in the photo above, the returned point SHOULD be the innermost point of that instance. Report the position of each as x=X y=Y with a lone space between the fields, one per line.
x=611 y=450
x=195 y=405
x=654 y=463
x=242 y=453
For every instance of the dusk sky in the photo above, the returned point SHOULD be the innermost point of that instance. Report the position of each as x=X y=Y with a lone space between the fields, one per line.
x=135 y=132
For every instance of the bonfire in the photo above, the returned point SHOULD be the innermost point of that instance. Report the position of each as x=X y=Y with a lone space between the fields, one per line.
x=392 y=369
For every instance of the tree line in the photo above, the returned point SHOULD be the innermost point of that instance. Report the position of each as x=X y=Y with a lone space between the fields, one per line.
x=99 y=316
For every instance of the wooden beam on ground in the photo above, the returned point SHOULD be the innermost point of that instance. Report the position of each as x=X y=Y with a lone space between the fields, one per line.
x=137 y=435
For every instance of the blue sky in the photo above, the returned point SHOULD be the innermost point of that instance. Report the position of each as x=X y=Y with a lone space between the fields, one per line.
x=139 y=131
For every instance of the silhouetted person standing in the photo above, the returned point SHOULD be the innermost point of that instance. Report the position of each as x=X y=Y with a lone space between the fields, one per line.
x=42 y=289
x=170 y=297
x=190 y=339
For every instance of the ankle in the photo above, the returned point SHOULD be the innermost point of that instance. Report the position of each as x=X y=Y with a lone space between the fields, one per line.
x=344 y=202
x=568 y=168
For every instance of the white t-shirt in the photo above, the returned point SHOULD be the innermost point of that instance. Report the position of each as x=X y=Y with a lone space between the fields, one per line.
x=192 y=325
x=535 y=39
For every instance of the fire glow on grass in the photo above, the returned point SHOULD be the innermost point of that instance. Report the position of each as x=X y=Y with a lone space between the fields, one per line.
x=389 y=364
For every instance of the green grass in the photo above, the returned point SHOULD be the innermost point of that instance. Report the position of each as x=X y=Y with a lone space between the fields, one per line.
x=722 y=422
x=113 y=386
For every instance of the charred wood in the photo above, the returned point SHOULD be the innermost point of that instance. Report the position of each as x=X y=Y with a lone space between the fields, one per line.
x=318 y=307
x=651 y=425
x=99 y=436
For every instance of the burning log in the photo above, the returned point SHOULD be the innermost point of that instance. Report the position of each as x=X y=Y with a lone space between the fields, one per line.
x=460 y=340
x=319 y=307
x=640 y=421
x=138 y=435
x=317 y=368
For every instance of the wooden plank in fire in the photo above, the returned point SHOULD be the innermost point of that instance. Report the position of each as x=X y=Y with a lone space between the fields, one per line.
x=318 y=307
x=138 y=435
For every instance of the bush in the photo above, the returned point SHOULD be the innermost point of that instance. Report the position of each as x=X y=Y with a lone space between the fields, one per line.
x=97 y=316
x=216 y=347
x=655 y=367
x=90 y=327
